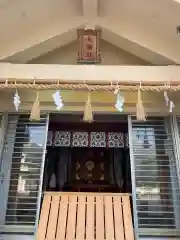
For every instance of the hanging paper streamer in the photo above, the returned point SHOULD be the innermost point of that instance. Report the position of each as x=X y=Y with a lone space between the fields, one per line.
x=88 y=114
x=116 y=90
x=58 y=100
x=119 y=102
x=166 y=98
x=35 y=111
x=16 y=100
x=171 y=106
x=140 y=112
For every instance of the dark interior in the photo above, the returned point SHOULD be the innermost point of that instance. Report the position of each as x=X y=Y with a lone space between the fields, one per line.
x=87 y=169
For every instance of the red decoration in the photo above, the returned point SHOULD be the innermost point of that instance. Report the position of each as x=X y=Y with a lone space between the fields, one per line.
x=88 y=46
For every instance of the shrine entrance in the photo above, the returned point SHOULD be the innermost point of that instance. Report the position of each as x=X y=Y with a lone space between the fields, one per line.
x=84 y=157
x=87 y=180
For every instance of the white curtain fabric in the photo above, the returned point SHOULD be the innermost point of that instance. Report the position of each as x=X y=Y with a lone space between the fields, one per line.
x=62 y=168
x=118 y=167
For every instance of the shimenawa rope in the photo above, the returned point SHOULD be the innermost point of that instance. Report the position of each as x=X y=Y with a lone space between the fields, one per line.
x=90 y=87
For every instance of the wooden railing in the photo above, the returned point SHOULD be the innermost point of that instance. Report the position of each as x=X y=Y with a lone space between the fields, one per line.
x=80 y=216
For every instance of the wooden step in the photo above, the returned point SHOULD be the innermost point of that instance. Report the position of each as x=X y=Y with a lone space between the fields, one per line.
x=85 y=216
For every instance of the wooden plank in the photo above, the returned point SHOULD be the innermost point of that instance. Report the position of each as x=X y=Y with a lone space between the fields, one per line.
x=109 y=226
x=128 y=226
x=41 y=233
x=99 y=218
x=71 y=223
x=53 y=217
x=61 y=227
x=71 y=212
x=86 y=194
x=81 y=213
x=90 y=218
x=118 y=218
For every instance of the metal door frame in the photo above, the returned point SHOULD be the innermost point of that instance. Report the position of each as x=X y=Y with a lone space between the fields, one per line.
x=176 y=143
x=133 y=177
x=41 y=175
x=5 y=168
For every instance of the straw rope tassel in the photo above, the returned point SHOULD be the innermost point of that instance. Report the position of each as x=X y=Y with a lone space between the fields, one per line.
x=88 y=114
x=35 y=111
x=140 y=112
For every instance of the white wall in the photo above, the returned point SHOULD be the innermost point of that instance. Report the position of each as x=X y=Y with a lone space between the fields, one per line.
x=110 y=55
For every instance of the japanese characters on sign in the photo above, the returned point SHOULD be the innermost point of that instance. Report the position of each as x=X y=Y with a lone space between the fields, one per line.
x=88 y=46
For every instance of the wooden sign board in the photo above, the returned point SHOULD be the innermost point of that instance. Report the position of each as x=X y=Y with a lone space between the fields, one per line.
x=89 y=46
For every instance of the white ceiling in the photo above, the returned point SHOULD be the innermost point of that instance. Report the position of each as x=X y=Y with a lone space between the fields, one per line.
x=146 y=28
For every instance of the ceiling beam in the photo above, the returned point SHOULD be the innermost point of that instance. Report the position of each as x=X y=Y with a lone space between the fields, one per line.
x=90 y=8
x=90 y=13
x=90 y=73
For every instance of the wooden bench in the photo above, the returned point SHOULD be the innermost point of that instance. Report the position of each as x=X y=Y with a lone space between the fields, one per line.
x=81 y=216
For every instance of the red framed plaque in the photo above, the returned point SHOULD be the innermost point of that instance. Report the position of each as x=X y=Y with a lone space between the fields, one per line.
x=89 y=51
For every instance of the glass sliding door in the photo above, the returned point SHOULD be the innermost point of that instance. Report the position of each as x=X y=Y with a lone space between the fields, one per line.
x=25 y=153
x=154 y=175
